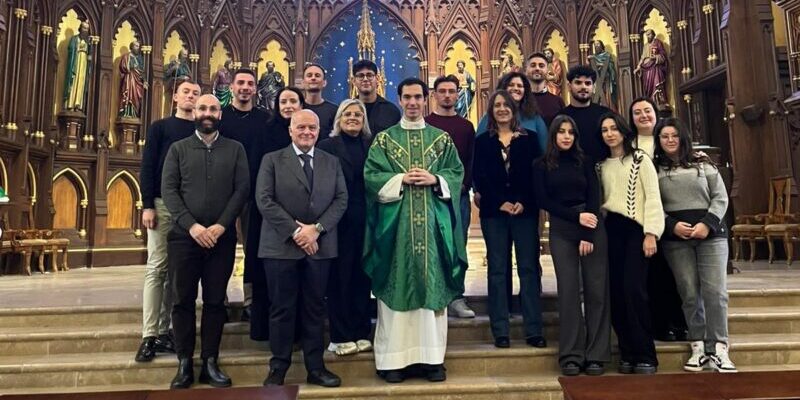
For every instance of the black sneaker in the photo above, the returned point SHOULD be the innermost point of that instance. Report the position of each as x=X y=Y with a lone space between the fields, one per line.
x=502 y=342
x=164 y=344
x=536 y=341
x=571 y=368
x=625 y=367
x=594 y=368
x=392 y=376
x=642 y=368
x=147 y=350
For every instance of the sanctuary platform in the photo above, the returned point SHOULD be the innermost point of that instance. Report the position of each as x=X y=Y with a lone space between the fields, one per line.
x=78 y=331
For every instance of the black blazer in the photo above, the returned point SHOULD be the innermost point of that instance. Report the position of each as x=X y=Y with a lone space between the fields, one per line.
x=497 y=186
x=353 y=171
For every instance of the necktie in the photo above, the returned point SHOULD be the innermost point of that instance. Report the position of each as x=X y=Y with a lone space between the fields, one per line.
x=307 y=169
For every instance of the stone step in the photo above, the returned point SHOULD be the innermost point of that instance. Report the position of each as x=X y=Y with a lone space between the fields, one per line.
x=108 y=315
x=126 y=337
x=248 y=367
x=534 y=387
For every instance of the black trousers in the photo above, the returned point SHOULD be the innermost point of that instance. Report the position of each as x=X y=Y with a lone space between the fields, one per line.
x=349 y=288
x=297 y=288
x=666 y=306
x=193 y=264
x=630 y=313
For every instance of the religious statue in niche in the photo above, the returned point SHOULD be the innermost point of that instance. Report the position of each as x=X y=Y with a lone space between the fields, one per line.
x=178 y=71
x=132 y=82
x=222 y=84
x=653 y=69
x=507 y=63
x=268 y=86
x=555 y=72
x=466 y=90
x=605 y=89
x=79 y=65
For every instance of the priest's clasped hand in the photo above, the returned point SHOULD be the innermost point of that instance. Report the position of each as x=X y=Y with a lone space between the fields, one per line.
x=419 y=177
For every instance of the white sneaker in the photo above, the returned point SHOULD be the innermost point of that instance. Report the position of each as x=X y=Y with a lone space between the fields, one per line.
x=460 y=309
x=698 y=358
x=721 y=360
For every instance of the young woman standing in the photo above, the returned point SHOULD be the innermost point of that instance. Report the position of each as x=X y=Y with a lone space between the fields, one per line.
x=696 y=242
x=634 y=223
x=566 y=186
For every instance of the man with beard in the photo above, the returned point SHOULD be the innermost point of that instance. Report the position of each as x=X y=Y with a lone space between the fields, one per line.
x=586 y=114
x=381 y=114
x=205 y=185
x=247 y=124
x=313 y=83
x=446 y=92
x=157 y=294
x=549 y=104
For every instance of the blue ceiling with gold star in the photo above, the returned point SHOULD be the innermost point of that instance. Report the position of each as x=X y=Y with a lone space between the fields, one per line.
x=339 y=44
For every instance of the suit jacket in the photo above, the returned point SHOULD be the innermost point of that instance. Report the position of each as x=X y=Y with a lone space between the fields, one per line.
x=283 y=197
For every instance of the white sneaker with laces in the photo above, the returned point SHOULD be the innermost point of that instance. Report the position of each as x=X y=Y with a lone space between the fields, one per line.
x=460 y=309
x=698 y=359
x=721 y=360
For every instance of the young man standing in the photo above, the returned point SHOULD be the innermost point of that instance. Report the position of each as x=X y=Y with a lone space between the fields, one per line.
x=549 y=104
x=381 y=114
x=461 y=131
x=586 y=114
x=313 y=83
x=205 y=186
x=157 y=297
x=243 y=122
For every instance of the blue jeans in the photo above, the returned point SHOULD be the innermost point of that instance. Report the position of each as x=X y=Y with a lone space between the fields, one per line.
x=699 y=267
x=499 y=233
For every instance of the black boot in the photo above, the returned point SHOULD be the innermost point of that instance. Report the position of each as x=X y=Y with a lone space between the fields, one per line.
x=212 y=375
x=185 y=376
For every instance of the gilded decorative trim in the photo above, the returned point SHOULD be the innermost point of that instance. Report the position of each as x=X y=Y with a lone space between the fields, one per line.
x=20 y=13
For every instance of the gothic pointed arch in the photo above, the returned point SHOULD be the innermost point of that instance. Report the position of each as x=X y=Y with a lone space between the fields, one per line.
x=640 y=9
x=181 y=19
x=273 y=21
x=139 y=18
x=86 y=10
x=228 y=30
x=459 y=20
x=472 y=45
x=591 y=14
x=551 y=18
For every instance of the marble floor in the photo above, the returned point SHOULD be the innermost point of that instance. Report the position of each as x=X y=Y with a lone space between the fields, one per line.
x=122 y=285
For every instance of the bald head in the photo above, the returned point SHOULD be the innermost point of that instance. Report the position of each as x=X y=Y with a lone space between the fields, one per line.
x=207 y=113
x=304 y=129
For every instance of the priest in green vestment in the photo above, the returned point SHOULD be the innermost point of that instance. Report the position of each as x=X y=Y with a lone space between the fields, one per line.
x=414 y=250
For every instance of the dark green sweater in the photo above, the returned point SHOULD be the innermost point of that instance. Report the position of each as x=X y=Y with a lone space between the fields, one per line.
x=205 y=185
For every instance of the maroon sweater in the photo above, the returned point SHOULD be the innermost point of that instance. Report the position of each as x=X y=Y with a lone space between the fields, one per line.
x=463 y=134
x=549 y=106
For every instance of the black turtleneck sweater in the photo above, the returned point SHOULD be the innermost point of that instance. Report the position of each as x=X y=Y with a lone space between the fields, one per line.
x=248 y=128
x=567 y=186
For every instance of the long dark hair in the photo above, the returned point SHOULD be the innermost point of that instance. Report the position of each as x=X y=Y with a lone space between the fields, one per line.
x=492 y=122
x=276 y=114
x=686 y=156
x=552 y=153
x=623 y=128
x=528 y=106
x=630 y=112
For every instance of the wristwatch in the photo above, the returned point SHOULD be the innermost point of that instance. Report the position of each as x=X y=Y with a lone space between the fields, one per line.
x=319 y=227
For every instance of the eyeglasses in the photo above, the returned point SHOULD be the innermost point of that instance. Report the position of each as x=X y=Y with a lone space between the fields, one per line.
x=350 y=114
x=362 y=77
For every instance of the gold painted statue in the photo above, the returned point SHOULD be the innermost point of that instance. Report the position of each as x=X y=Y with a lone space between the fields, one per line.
x=79 y=61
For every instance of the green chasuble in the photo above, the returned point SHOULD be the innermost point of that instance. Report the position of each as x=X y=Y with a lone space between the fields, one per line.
x=413 y=250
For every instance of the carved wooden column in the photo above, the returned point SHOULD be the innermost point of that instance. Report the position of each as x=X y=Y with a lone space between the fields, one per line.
x=156 y=75
x=485 y=77
x=759 y=138
x=625 y=63
x=634 y=39
x=574 y=58
x=13 y=62
x=584 y=55
x=203 y=69
x=432 y=31
x=40 y=123
x=300 y=32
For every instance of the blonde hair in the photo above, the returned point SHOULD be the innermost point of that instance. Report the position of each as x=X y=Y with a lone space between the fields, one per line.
x=337 y=129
